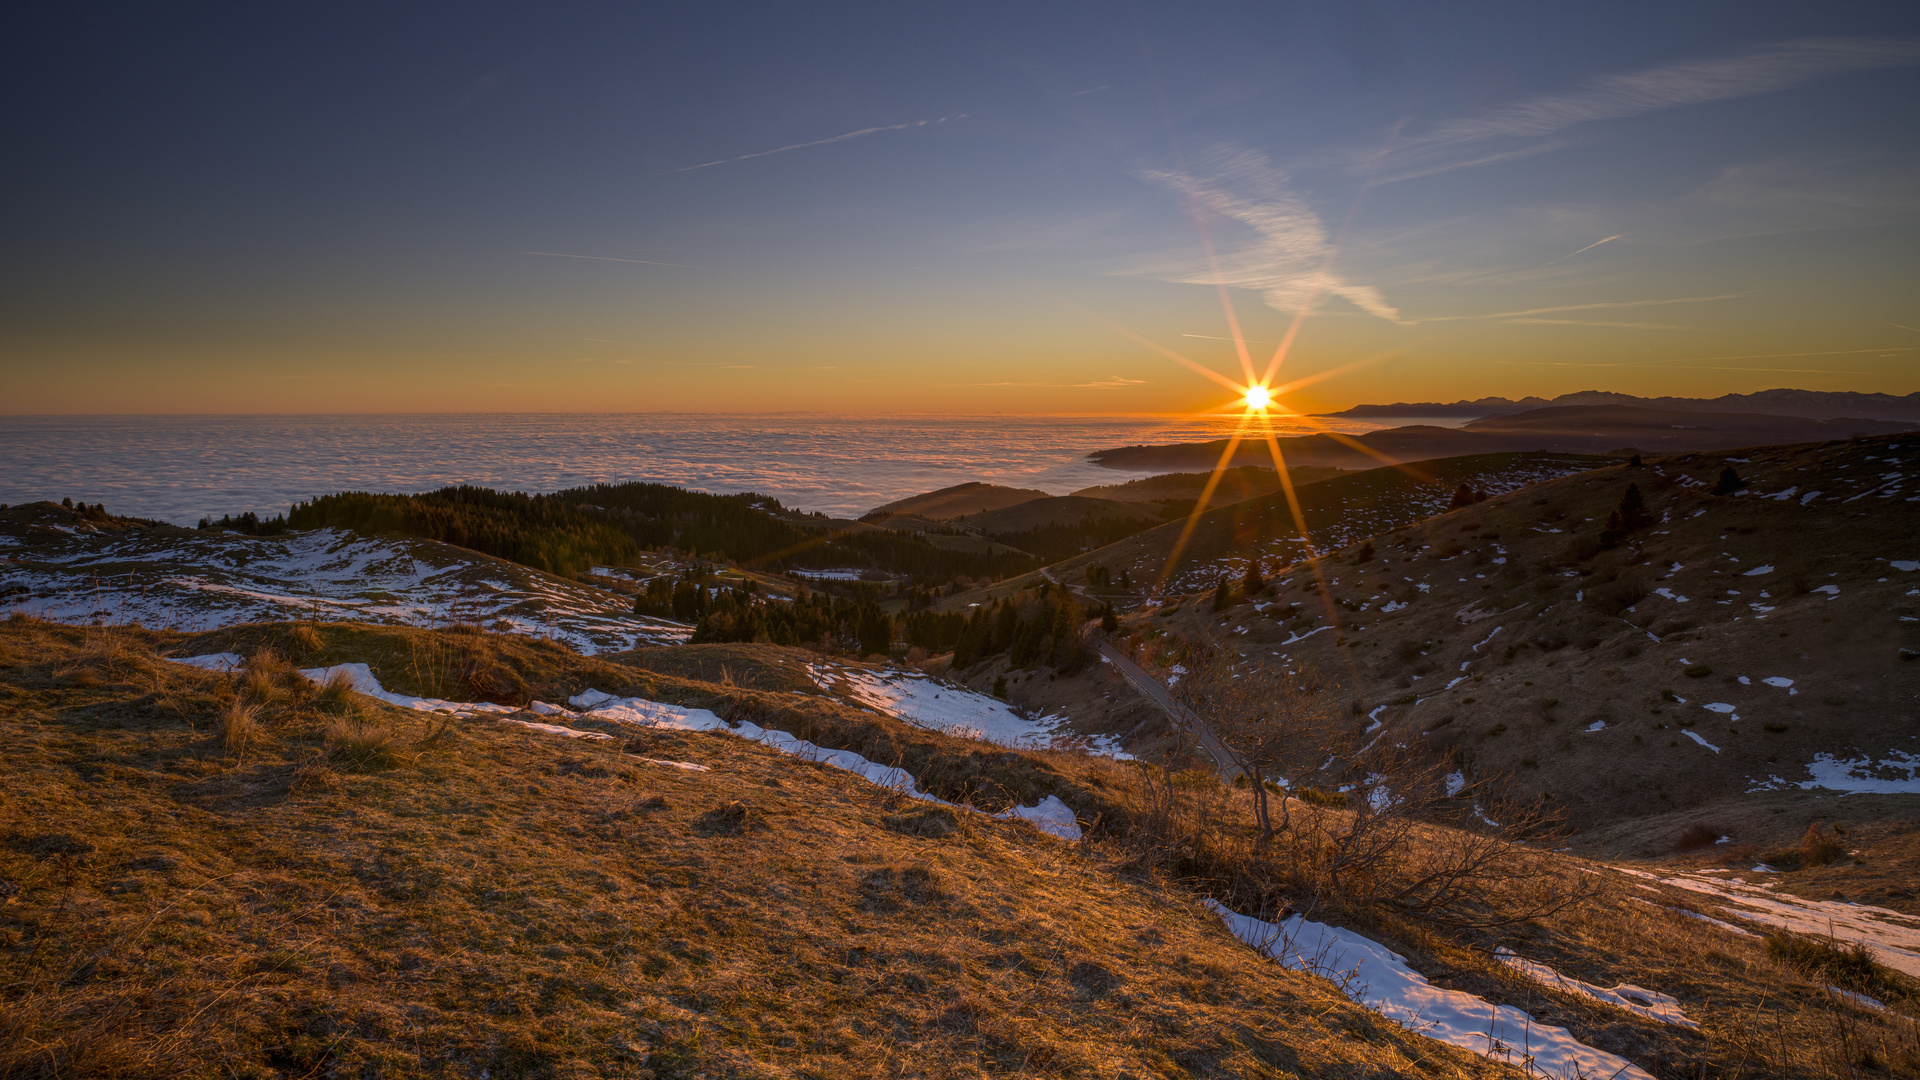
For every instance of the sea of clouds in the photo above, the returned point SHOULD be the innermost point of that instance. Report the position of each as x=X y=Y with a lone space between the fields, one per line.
x=182 y=468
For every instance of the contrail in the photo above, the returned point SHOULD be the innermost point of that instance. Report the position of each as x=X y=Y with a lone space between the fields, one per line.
x=1588 y=248
x=604 y=258
x=822 y=142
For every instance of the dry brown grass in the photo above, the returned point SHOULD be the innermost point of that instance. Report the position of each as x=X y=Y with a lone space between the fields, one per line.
x=238 y=728
x=536 y=906
x=540 y=907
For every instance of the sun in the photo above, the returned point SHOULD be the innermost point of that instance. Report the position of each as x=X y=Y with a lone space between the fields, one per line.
x=1258 y=397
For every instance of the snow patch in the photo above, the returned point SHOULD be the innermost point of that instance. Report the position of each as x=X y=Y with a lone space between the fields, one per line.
x=1664 y=1008
x=1696 y=738
x=1380 y=980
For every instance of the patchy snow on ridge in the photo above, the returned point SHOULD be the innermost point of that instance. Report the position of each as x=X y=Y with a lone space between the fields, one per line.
x=925 y=703
x=1380 y=980
x=1898 y=774
x=189 y=580
x=1893 y=937
x=1050 y=815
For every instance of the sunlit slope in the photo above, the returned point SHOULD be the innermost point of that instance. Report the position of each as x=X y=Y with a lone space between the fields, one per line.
x=1337 y=512
x=1759 y=640
x=1056 y=511
x=1234 y=485
x=958 y=501
x=491 y=899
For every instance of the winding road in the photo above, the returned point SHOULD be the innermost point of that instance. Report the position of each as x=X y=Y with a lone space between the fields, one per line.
x=1183 y=718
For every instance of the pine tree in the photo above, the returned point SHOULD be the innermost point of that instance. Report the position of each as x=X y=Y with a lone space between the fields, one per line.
x=1254 y=584
x=1109 y=621
x=1365 y=554
x=1730 y=482
x=1000 y=686
x=1463 y=496
x=1126 y=580
x=1222 y=596
x=1625 y=518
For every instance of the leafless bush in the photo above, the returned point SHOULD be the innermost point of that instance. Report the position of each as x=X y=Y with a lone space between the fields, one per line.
x=1338 y=816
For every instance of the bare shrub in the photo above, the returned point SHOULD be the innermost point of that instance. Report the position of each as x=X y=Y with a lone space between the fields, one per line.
x=1616 y=596
x=1336 y=817
x=1695 y=836
x=1821 y=846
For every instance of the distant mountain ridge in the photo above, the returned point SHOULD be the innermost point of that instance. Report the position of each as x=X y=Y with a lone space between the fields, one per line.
x=1565 y=429
x=1809 y=404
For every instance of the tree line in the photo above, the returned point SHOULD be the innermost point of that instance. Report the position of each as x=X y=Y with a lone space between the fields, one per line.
x=608 y=524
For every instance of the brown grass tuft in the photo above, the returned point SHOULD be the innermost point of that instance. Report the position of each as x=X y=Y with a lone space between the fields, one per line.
x=337 y=695
x=363 y=746
x=239 y=727
x=306 y=638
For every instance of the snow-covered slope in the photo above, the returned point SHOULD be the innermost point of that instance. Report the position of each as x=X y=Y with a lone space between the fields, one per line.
x=60 y=566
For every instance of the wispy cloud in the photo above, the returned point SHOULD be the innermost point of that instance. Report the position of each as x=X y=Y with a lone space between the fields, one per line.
x=1591 y=322
x=608 y=258
x=1287 y=256
x=821 y=142
x=1681 y=367
x=1526 y=313
x=1463 y=142
x=1111 y=382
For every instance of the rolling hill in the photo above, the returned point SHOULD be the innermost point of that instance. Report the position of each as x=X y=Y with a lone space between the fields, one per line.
x=1236 y=485
x=1338 y=511
x=1813 y=404
x=957 y=501
x=1583 y=429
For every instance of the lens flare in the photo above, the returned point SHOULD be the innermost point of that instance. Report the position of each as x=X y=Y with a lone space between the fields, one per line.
x=1258 y=398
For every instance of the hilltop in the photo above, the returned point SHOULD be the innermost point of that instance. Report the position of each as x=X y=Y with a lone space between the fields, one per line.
x=1338 y=511
x=957 y=501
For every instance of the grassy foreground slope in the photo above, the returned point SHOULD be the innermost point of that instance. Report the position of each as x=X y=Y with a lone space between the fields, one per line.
x=334 y=887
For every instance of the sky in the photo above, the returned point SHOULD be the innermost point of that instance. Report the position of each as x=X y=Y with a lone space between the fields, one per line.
x=967 y=208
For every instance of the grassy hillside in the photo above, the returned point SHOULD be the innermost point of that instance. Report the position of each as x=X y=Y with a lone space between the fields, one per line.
x=1733 y=644
x=216 y=876
x=408 y=899
x=1338 y=511
x=1235 y=485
